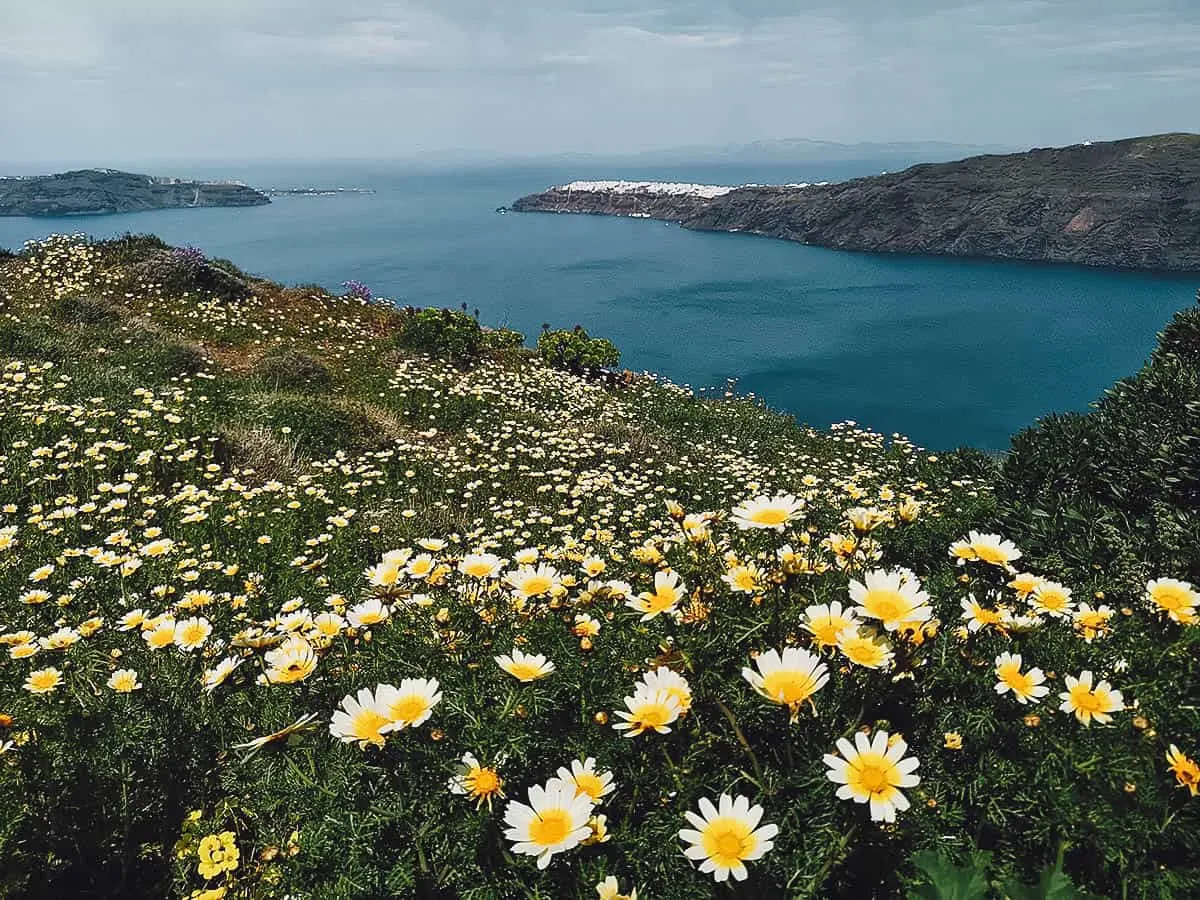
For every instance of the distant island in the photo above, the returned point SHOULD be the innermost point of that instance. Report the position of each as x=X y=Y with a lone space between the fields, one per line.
x=1133 y=203
x=104 y=191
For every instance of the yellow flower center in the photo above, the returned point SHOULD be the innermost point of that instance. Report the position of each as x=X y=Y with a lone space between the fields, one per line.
x=538 y=584
x=873 y=778
x=727 y=841
x=408 y=708
x=789 y=686
x=826 y=631
x=587 y=783
x=550 y=827
x=365 y=726
x=652 y=715
x=663 y=598
x=482 y=782
x=771 y=515
x=863 y=652
x=42 y=681
x=1087 y=701
x=886 y=605
x=193 y=634
x=1018 y=682
x=990 y=554
x=478 y=569
x=1055 y=601
x=524 y=671
x=1172 y=598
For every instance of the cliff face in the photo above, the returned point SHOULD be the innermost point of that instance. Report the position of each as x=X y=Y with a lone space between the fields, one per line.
x=1133 y=203
x=97 y=191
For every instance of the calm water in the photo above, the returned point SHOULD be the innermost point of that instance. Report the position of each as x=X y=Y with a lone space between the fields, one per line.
x=947 y=351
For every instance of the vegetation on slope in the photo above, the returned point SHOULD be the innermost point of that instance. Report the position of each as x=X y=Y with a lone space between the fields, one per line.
x=228 y=508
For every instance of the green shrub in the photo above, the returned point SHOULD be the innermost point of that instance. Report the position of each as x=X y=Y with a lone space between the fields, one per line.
x=575 y=351
x=131 y=248
x=502 y=339
x=291 y=370
x=81 y=310
x=443 y=332
x=317 y=426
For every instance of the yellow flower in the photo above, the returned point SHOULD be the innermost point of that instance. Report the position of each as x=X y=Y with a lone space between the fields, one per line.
x=865 y=647
x=894 y=597
x=586 y=780
x=555 y=820
x=1089 y=703
x=43 y=681
x=360 y=720
x=292 y=661
x=726 y=835
x=1177 y=599
x=648 y=711
x=124 y=681
x=826 y=621
x=1186 y=772
x=872 y=770
x=1025 y=686
x=667 y=594
x=789 y=678
x=218 y=853
x=478 y=782
x=610 y=889
x=952 y=740
x=767 y=512
x=525 y=667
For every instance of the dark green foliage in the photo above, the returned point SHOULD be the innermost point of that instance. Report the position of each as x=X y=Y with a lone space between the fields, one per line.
x=502 y=339
x=291 y=370
x=1132 y=466
x=81 y=310
x=443 y=332
x=317 y=426
x=575 y=351
x=6 y=254
x=131 y=248
x=230 y=267
x=940 y=878
x=28 y=340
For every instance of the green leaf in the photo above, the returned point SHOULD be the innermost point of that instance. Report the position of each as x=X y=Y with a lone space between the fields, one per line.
x=1054 y=884
x=947 y=881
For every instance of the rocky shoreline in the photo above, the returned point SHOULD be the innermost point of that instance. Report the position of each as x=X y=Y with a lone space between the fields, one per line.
x=106 y=191
x=1132 y=203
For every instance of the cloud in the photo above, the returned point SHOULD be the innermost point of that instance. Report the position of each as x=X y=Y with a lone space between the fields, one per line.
x=606 y=75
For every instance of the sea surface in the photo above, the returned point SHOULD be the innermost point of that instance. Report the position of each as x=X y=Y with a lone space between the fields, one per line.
x=946 y=351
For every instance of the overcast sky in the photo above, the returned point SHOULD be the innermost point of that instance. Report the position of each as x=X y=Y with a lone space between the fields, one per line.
x=244 y=79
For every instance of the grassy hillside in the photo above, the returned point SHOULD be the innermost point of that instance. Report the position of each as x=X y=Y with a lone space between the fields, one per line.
x=244 y=527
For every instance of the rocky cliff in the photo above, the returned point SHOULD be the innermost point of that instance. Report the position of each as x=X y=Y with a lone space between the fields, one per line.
x=1133 y=204
x=97 y=191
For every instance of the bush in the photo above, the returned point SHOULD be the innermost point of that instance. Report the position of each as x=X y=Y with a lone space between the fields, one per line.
x=130 y=248
x=317 y=426
x=185 y=270
x=443 y=332
x=575 y=351
x=502 y=339
x=82 y=310
x=291 y=370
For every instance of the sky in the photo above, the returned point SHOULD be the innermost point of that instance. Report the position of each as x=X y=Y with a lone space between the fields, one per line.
x=128 y=80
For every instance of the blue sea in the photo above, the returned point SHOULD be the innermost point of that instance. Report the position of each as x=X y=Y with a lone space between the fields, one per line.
x=946 y=351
